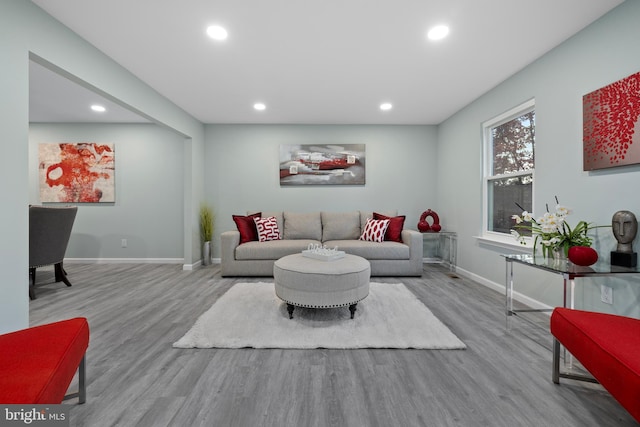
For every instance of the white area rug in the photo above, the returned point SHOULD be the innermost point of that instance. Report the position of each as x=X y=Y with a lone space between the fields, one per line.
x=250 y=315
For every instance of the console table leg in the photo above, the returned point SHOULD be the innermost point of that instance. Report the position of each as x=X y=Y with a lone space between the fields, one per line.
x=290 y=308
x=352 y=309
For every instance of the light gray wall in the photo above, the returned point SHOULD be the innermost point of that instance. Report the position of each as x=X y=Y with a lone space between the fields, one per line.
x=148 y=210
x=27 y=32
x=242 y=172
x=601 y=54
x=14 y=110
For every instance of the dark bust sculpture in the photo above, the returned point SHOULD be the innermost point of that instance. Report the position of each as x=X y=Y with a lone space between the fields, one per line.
x=625 y=227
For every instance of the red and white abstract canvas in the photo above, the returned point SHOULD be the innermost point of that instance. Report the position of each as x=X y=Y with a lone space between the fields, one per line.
x=611 y=129
x=322 y=164
x=81 y=172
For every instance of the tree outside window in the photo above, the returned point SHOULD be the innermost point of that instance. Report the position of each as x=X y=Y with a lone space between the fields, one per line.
x=509 y=167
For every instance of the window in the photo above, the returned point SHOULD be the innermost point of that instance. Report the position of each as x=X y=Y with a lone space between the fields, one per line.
x=508 y=168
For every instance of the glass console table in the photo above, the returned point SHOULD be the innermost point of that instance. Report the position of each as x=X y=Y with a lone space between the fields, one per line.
x=561 y=266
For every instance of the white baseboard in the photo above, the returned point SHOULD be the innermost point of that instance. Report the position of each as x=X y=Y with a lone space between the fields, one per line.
x=198 y=264
x=502 y=289
x=124 y=260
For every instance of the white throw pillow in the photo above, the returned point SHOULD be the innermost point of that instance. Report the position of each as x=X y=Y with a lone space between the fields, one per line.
x=267 y=229
x=374 y=230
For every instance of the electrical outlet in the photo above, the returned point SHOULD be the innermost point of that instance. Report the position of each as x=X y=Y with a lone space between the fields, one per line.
x=606 y=294
x=124 y=243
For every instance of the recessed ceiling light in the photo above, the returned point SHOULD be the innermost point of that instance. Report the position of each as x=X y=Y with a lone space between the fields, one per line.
x=386 y=106
x=217 y=32
x=438 y=32
x=259 y=106
x=98 y=108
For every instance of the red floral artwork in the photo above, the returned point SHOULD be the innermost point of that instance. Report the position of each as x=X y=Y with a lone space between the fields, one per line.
x=77 y=173
x=611 y=126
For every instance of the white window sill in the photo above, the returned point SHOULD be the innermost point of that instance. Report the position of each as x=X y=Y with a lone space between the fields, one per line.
x=506 y=242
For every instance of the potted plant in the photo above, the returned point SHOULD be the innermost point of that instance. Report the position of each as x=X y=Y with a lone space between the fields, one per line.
x=206 y=232
x=556 y=236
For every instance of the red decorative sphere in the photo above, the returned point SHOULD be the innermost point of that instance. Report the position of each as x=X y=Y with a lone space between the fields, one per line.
x=582 y=255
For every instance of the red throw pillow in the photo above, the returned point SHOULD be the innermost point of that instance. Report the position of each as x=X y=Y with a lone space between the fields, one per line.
x=247 y=227
x=394 y=231
x=374 y=230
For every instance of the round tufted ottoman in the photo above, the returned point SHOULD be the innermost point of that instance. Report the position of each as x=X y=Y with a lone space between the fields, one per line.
x=307 y=282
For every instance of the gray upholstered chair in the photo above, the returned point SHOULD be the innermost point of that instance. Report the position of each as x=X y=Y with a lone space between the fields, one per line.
x=49 y=232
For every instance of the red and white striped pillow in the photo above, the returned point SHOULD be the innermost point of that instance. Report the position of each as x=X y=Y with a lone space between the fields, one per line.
x=374 y=230
x=267 y=229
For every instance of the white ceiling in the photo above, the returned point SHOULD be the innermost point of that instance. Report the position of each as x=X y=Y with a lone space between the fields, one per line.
x=323 y=61
x=54 y=98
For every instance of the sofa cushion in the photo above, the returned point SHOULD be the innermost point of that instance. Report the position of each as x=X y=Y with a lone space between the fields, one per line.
x=267 y=229
x=247 y=227
x=364 y=216
x=396 y=224
x=271 y=250
x=374 y=230
x=302 y=225
x=372 y=250
x=340 y=225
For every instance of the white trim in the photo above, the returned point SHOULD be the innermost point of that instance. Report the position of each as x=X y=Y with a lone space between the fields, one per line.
x=505 y=242
x=487 y=160
x=124 y=260
x=510 y=114
x=535 y=304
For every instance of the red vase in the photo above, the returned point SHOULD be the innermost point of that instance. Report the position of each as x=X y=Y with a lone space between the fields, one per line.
x=582 y=255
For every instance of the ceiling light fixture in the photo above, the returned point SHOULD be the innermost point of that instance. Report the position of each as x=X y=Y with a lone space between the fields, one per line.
x=386 y=106
x=259 y=106
x=438 y=32
x=98 y=108
x=217 y=32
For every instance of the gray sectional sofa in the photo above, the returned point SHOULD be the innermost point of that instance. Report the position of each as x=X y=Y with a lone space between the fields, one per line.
x=341 y=229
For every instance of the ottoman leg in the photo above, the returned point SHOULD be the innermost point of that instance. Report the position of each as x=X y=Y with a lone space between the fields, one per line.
x=290 y=308
x=352 y=309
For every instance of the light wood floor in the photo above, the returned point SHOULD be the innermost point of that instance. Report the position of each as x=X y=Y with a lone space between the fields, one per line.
x=135 y=377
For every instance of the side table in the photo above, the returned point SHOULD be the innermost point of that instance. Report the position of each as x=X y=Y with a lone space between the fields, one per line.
x=444 y=245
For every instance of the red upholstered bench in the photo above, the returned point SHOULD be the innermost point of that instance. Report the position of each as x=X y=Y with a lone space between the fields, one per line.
x=607 y=345
x=37 y=364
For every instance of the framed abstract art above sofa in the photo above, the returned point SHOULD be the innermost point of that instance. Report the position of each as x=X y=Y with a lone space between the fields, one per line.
x=322 y=164
x=611 y=129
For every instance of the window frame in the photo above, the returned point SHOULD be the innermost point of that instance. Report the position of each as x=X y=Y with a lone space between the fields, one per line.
x=502 y=239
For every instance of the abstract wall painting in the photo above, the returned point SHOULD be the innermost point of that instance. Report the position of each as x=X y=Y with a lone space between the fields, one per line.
x=77 y=172
x=318 y=164
x=611 y=129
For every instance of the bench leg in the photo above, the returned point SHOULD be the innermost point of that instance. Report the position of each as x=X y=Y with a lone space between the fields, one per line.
x=555 y=375
x=82 y=385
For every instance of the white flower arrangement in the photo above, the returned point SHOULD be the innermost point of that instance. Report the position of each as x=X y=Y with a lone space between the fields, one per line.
x=552 y=230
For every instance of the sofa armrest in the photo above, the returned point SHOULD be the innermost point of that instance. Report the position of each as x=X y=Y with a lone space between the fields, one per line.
x=413 y=239
x=229 y=241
